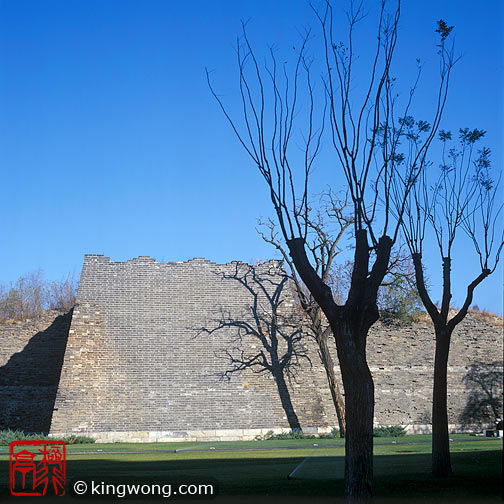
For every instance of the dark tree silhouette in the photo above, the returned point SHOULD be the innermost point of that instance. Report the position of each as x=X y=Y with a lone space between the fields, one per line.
x=366 y=134
x=280 y=348
x=459 y=198
x=327 y=225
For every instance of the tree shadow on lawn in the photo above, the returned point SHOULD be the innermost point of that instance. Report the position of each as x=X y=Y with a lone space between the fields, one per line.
x=477 y=476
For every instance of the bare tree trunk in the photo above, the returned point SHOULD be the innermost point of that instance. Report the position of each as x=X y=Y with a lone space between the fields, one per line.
x=337 y=397
x=359 y=409
x=350 y=325
x=441 y=463
x=287 y=405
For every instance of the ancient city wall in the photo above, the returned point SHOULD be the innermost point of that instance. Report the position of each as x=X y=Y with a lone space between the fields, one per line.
x=31 y=357
x=146 y=353
x=173 y=351
x=401 y=361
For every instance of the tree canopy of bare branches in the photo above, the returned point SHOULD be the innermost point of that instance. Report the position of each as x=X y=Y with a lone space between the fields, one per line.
x=368 y=134
x=458 y=200
x=326 y=229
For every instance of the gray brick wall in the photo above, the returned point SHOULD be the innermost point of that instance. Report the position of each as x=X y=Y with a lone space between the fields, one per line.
x=137 y=359
x=31 y=357
x=149 y=342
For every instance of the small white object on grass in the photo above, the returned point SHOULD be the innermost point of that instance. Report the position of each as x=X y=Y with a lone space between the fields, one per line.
x=212 y=448
x=315 y=444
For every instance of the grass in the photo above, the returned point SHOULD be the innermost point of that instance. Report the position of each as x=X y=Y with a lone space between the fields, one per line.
x=243 y=445
x=402 y=469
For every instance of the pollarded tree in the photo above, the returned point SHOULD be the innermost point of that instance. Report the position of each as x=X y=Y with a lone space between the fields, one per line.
x=326 y=240
x=366 y=134
x=459 y=199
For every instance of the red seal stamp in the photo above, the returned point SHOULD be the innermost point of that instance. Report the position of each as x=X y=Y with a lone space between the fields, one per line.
x=37 y=468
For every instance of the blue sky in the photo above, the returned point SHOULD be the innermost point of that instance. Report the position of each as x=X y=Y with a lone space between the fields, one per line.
x=110 y=142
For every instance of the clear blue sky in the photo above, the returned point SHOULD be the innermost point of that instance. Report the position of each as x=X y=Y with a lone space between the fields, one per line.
x=110 y=142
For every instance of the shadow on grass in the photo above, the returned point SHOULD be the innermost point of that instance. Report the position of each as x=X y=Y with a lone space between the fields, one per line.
x=478 y=477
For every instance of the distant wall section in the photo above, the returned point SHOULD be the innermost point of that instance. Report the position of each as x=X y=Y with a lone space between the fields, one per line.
x=31 y=358
x=401 y=360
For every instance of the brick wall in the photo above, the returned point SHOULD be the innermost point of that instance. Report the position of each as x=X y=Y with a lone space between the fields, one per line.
x=31 y=356
x=149 y=344
x=153 y=352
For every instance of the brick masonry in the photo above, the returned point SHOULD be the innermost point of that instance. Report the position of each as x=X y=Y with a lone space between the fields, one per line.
x=31 y=357
x=149 y=344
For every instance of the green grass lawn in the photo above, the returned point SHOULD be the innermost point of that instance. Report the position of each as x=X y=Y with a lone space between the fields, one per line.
x=401 y=465
x=243 y=445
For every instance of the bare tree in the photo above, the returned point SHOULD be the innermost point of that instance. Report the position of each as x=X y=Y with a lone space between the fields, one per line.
x=326 y=230
x=461 y=198
x=366 y=140
x=280 y=348
x=31 y=294
x=62 y=295
x=397 y=295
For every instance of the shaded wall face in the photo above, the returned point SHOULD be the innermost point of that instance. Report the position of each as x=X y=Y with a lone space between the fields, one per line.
x=31 y=357
x=143 y=354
